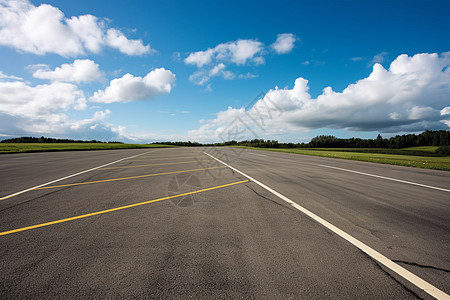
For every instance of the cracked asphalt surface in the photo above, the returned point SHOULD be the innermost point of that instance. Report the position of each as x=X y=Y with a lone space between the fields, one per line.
x=217 y=241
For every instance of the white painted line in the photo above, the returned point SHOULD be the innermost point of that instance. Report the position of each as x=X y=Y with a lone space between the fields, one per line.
x=257 y=154
x=388 y=178
x=414 y=279
x=76 y=174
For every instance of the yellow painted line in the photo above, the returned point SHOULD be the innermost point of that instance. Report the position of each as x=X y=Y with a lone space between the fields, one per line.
x=161 y=164
x=73 y=175
x=116 y=209
x=124 y=178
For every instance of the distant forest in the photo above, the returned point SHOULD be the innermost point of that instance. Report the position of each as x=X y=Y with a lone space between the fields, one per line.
x=29 y=139
x=426 y=138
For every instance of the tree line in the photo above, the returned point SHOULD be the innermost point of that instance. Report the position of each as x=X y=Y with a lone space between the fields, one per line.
x=426 y=138
x=29 y=139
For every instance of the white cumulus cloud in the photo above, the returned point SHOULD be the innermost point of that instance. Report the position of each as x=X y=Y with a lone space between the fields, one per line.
x=37 y=109
x=41 y=101
x=89 y=30
x=241 y=52
x=128 y=88
x=412 y=95
x=200 y=58
x=238 y=52
x=116 y=39
x=44 y=110
x=284 y=43
x=44 y=29
x=81 y=70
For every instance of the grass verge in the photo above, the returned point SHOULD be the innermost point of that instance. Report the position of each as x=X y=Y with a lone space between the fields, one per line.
x=41 y=147
x=426 y=162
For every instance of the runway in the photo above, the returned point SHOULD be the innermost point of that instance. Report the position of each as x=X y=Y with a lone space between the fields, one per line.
x=198 y=223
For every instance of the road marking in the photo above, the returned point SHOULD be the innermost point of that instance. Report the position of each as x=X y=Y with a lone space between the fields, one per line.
x=388 y=178
x=257 y=154
x=164 y=158
x=414 y=279
x=161 y=164
x=117 y=208
x=124 y=178
x=76 y=174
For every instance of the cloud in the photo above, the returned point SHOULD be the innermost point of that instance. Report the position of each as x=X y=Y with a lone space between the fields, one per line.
x=89 y=30
x=445 y=111
x=44 y=29
x=81 y=70
x=3 y=76
x=176 y=56
x=123 y=134
x=203 y=76
x=116 y=39
x=241 y=52
x=60 y=126
x=41 y=101
x=284 y=43
x=379 y=58
x=40 y=109
x=412 y=95
x=247 y=76
x=238 y=52
x=200 y=58
x=44 y=110
x=208 y=88
x=313 y=62
x=129 y=87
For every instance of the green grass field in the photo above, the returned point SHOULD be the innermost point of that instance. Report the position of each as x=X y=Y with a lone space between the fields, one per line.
x=426 y=162
x=40 y=147
x=422 y=148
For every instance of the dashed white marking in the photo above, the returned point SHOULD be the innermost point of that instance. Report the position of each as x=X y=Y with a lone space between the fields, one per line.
x=414 y=279
x=76 y=174
x=388 y=178
x=257 y=154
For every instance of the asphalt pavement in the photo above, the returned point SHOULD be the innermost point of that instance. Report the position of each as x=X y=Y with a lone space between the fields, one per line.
x=175 y=223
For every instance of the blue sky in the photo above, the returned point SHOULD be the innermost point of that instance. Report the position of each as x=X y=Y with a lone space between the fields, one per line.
x=148 y=71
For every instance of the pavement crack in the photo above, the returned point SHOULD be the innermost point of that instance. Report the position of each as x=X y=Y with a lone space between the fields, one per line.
x=419 y=265
x=267 y=198
x=27 y=201
x=393 y=278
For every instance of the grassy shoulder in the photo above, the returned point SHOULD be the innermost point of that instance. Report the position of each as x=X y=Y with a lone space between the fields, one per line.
x=426 y=162
x=416 y=151
x=41 y=147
